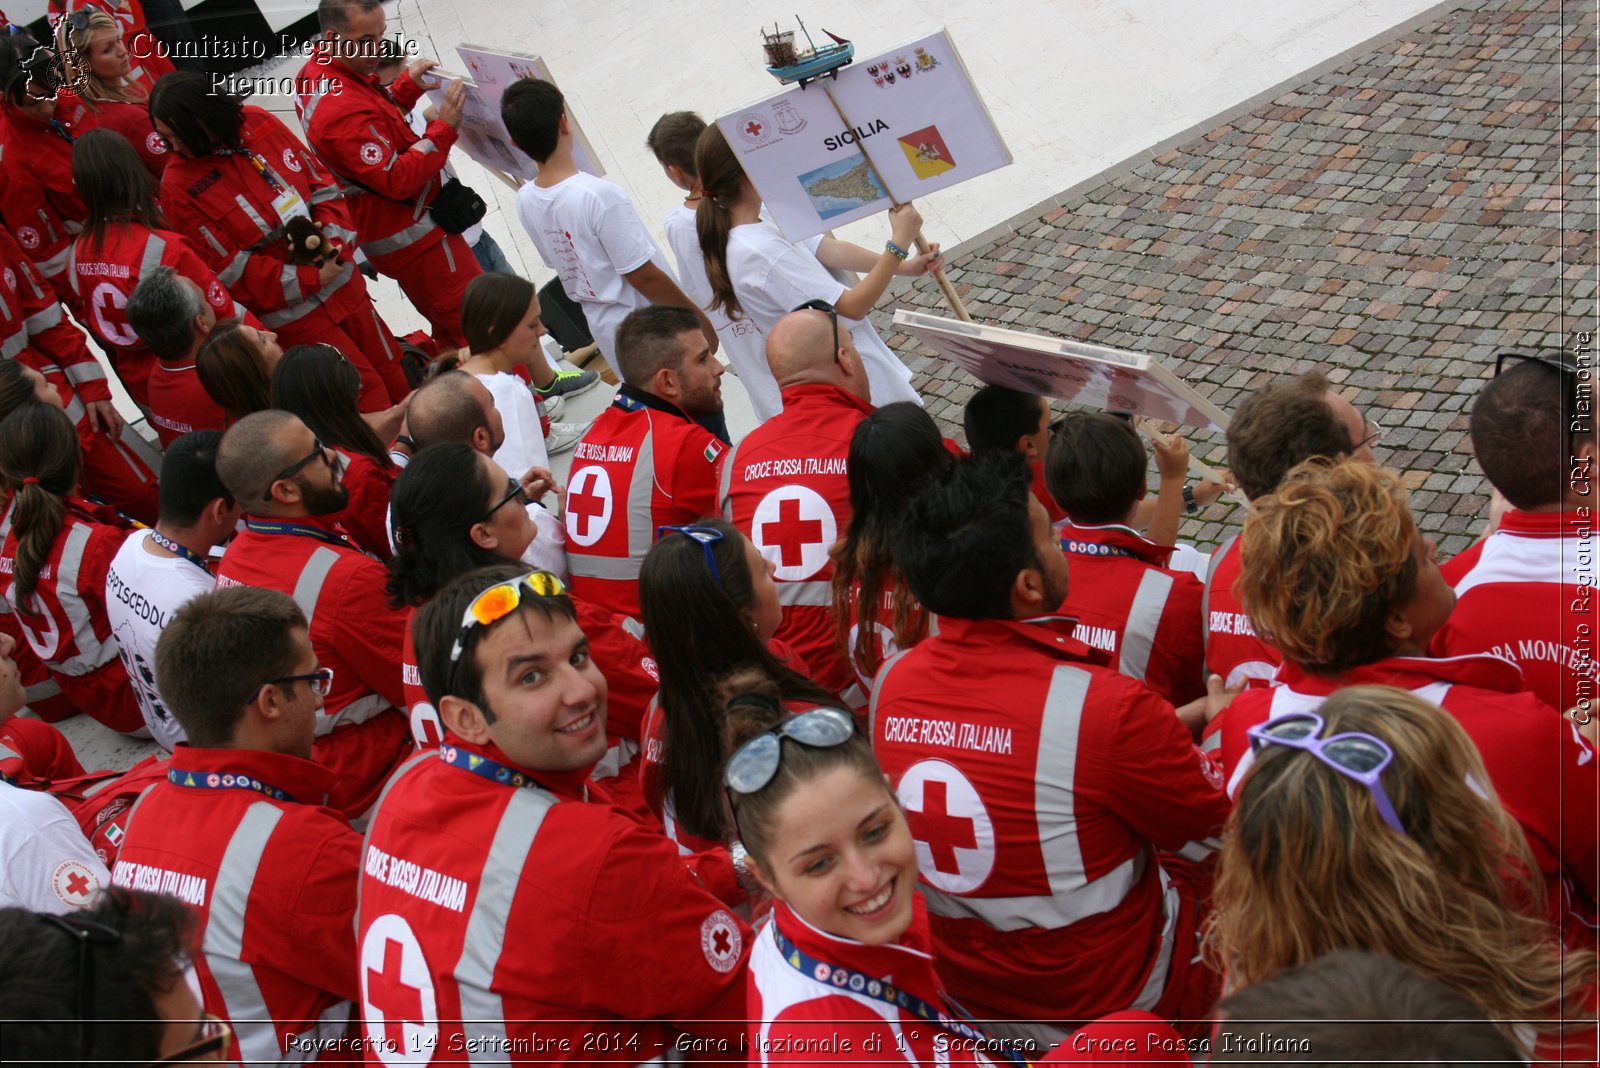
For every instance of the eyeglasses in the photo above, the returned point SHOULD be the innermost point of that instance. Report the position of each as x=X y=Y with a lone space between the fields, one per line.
x=85 y=932
x=295 y=468
x=497 y=602
x=755 y=762
x=1358 y=757
x=1563 y=363
x=833 y=317
x=1375 y=432
x=79 y=20
x=517 y=494
x=706 y=536
x=321 y=681
x=216 y=1036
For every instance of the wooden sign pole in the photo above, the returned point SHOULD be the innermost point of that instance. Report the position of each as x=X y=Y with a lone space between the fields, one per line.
x=950 y=296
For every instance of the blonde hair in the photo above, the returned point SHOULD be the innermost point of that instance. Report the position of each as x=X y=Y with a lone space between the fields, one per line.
x=73 y=48
x=1326 y=559
x=1309 y=867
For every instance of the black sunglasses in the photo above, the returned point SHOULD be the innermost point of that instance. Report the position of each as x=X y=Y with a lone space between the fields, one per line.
x=86 y=933
x=833 y=318
x=317 y=449
x=517 y=494
x=1560 y=362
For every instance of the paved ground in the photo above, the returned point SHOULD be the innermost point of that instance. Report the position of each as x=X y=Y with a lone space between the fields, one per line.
x=1396 y=218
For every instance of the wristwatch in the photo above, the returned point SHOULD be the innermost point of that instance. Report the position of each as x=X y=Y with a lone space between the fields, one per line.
x=741 y=867
x=1190 y=505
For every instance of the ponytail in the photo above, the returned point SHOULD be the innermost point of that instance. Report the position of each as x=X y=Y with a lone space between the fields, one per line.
x=40 y=459
x=721 y=177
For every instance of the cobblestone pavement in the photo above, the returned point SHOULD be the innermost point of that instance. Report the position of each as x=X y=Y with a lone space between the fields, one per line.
x=1396 y=218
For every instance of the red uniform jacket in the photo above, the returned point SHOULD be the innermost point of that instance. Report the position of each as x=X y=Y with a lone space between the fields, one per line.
x=1544 y=772
x=224 y=205
x=66 y=625
x=33 y=328
x=786 y=487
x=361 y=734
x=803 y=1017
x=103 y=276
x=179 y=404
x=1042 y=492
x=366 y=517
x=147 y=55
x=245 y=838
x=1128 y=604
x=37 y=195
x=33 y=753
x=1037 y=806
x=511 y=907
x=389 y=173
x=131 y=120
x=1531 y=598
x=643 y=464
x=1233 y=649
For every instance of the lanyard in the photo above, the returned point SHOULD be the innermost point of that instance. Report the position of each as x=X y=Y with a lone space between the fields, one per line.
x=59 y=128
x=1093 y=548
x=260 y=165
x=263 y=526
x=483 y=767
x=878 y=990
x=211 y=780
x=180 y=550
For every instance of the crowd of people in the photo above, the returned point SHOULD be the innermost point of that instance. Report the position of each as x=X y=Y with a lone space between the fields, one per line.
x=838 y=742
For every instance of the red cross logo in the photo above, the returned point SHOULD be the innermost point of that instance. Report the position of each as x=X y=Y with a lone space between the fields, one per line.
x=790 y=533
x=392 y=996
x=77 y=885
x=794 y=527
x=954 y=834
x=399 y=1009
x=753 y=128
x=73 y=883
x=589 y=504
x=942 y=831
x=720 y=941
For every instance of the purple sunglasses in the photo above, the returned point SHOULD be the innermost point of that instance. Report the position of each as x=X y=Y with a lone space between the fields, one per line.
x=1358 y=757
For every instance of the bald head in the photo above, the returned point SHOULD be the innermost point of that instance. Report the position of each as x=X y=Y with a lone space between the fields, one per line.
x=454 y=407
x=803 y=349
x=255 y=449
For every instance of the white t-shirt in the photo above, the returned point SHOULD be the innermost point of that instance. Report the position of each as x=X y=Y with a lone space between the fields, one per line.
x=524 y=444
x=772 y=276
x=587 y=231
x=46 y=864
x=741 y=341
x=143 y=592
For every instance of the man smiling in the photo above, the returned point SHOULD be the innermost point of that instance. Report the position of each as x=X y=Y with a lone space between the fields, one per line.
x=491 y=842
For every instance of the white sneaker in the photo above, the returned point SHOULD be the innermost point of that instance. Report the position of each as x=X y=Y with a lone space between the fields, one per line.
x=551 y=407
x=564 y=436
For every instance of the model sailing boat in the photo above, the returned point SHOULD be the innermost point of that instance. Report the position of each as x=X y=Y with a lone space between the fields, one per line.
x=787 y=65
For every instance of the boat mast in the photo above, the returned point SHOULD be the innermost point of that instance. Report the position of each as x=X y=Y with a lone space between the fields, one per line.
x=812 y=44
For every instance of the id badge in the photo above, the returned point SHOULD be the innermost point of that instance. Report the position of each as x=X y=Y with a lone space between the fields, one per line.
x=288 y=205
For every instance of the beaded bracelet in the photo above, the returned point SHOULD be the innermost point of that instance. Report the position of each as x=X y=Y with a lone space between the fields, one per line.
x=895 y=250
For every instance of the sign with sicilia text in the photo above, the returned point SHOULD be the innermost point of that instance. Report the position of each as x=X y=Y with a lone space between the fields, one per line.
x=1093 y=376
x=888 y=129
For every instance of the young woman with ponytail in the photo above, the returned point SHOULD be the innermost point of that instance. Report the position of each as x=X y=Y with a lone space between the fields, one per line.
x=55 y=533
x=757 y=273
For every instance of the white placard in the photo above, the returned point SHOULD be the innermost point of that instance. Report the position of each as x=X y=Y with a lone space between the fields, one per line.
x=1094 y=376
x=915 y=125
x=493 y=72
x=483 y=136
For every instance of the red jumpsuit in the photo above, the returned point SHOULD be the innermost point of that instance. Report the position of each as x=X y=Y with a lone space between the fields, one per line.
x=244 y=837
x=131 y=120
x=66 y=624
x=786 y=487
x=230 y=206
x=1530 y=597
x=34 y=331
x=1037 y=805
x=643 y=464
x=103 y=276
x=1543 y=770
x=361 y=735
x=529 y=922
x=391 y=176
x=178 y=403
x=1233 y=649
x=366 y=516
x=38 y=197
x=1128 y=604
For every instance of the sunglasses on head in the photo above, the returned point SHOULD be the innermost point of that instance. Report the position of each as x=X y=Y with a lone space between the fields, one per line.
x=755 y=762
x=1358 y=757
x=496 y=603
x=706 y=536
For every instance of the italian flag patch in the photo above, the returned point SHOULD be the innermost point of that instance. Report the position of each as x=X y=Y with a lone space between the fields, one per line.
x=712 y=451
